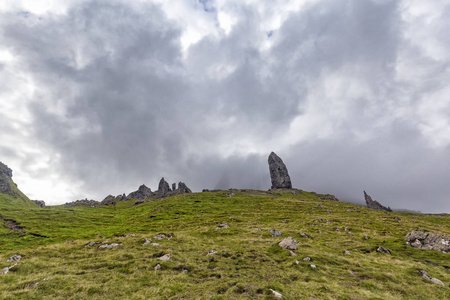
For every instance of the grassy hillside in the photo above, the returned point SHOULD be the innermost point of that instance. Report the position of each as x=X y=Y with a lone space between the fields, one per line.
x=248 y=262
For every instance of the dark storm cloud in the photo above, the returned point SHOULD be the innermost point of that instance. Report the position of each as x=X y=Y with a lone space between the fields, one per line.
x=120 y=104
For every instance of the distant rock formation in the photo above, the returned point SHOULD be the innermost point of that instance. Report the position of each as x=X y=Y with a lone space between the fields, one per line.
x=428 y=241
x=110 y=199
x=142 y=193
x=5 y=179
x=374 y=204
x=40 y=203
x=82 y=203
x=163 y=188
x=278 y=173
x=182 y=188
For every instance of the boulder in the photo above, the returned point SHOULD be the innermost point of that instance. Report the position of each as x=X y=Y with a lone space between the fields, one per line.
x=142 y=193
x=164 y=257
x=428 y=241
x=374 y=204
x=428 y=277
x=288 y=243
x=383 y=250
x=278 y=173
x=222 y=226
x=14 y=258
x=108 y=246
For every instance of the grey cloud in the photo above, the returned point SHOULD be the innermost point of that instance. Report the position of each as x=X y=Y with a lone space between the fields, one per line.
x=119 y=103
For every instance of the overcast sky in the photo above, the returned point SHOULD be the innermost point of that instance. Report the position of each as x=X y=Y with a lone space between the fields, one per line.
x=99 y=97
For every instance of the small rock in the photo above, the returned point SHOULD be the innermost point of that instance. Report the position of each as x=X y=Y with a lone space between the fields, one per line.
x=274 y=232
x=350 y=233
x=304 y=235
x=322 y=221
x=346 y=252
x=147 y=241
x=5 y=271
x=307 y=258
x=164 y=257
x=428 y=277
x=14 y=258
x=346 y=229
x=329 y=211
x=320 y=206
x=222 y=226
x=155 y=244
x=349 y=210
x=158 y=267
x=292 y=253
x=297 y=262
x=212 y=252
x=313 y=266
x=257 y=229
x=92 y=244
x=284 y=221
x=276 y=294
x=185 y=271
x=338 y=230
x=288 y=243
x=108 y=246
x=366 y=237
x=383 y=250
x=160 y=236
x=130 y=234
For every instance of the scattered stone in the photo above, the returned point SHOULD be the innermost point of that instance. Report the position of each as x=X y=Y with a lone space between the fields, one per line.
x=297 y=262
x=338 y=230
x=288 y=243
x=39 y=203
x=383 y=250
x=329 y=211
x=320 y=206
x=322 y=221
x=147 y=241
x=328 y=197
x=366 y=237
x=350 y=233
x=6 y=270
x=274 y=232
x=374 y=204
x=108 y=246
x=14 y=258
x=284 y=221
x=346 y=229
x=164 y=257
x=313 y=266
x=185 y=271
x=275 y=293
x=212 y=252
x=346 y=252
x=307 y=258
x=292 y=253
x=304 y=235
x=160 y=236
x=278 y=173
x=349 y=210
x=428 y=277
x=222 y=226
x=155 y=244
x=257 y=229
x=157 y=267
x=92 y=244
x=129 y=234
x=428 y=241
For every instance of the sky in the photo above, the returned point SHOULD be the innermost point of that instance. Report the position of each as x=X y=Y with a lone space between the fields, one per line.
x=99 y=97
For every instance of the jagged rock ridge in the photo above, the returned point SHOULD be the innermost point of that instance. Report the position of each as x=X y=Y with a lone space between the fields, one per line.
x=5 y=174
x=278 y=173
x=374 y=204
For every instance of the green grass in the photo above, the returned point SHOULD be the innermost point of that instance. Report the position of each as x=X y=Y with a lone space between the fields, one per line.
x=248 y=264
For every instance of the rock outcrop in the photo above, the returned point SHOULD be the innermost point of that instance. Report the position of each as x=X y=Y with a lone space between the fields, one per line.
x=5 y=179
x=163 y=188
x=82 y=202
x=374 y=204
x=182 y=189
x=142 y=193
x=428 y=241
x=39 y=203
x=278 y=173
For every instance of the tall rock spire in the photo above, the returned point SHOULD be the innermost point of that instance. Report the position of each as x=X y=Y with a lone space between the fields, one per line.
x=278 y=173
